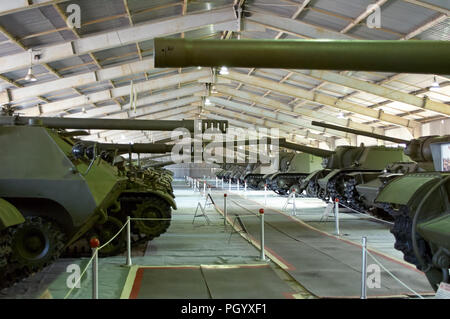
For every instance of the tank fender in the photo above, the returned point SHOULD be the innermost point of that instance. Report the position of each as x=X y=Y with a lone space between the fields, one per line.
x=9 y=215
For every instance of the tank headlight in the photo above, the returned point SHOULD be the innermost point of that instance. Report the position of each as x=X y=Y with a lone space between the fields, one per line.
x=78 y=150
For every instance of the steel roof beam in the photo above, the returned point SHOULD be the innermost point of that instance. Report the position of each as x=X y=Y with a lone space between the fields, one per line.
x=105 y=95
x=118 y=38
x=273 y=117
x=390 y=94
x=248 y=122
x=429 y=6
x=14 y=6
x=320 y=98
x=299 y=110
x=295 y=27
x=142 y=104
x=277 y=116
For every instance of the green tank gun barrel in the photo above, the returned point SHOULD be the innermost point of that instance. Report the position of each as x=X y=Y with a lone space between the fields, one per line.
x=136 y=148
x=307 y=149
x=113 y=124
x=412 y=56
x=160 y=164
x=363 y=133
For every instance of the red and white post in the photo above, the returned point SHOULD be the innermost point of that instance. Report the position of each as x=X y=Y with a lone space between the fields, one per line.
x=95 y=243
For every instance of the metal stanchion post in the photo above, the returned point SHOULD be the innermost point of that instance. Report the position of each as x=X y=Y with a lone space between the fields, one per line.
x=237 y=184
x=222 y=182
x=245 y=186
x=265 y=194
x=95 y=243
x=204 y=188
x=336 y=215
x=294 y=210
x=364 y=269
x=217 y=182
x=225 y=210
x=261 y=215
x=229 y=185
x=128 y=262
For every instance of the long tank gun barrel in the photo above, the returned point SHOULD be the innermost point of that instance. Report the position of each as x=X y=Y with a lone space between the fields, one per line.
x=114 y=124
x=307 y=149
x=136 y=148
x=358 y=132
x=342 y=55
x=160 y=164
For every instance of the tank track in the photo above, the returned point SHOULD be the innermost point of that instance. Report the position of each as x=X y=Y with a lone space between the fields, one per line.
x=81 y=247
x=354 y=202
x=292 y=178
x=257 y=177
x=402 y=231
x=312 y=189
x=332 y=193
x=14 y=268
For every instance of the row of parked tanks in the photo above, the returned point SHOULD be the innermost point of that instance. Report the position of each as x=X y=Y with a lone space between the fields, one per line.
x=408 y=186
x=57 y=191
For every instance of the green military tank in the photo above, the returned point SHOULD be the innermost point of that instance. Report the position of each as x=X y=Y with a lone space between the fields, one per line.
x=256 y=179
x=329 y=182
x=225 y=168
x=148 y=194
x=52 y=194
x=419 y=202
x=417 y=197
x=293 y=170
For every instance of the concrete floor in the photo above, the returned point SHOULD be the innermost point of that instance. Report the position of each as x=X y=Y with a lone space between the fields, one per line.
x=185 y=243
x=188 y=243
x=352 y=226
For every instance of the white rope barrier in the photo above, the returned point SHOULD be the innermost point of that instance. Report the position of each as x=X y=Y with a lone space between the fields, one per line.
x=95 y=254
x=370 y=216
x=393 y=276
x=114 y=237
x=81 y=276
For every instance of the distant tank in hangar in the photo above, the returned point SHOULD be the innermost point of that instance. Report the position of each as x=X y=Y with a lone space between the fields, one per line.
x=416 y=195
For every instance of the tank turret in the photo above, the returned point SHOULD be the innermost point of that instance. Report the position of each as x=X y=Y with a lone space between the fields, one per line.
x=423 y=150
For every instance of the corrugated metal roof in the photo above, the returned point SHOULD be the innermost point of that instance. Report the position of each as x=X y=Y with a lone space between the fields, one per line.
x=42 y=26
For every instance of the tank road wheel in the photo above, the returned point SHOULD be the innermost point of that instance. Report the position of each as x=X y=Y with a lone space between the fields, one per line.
x=35 y=243
x=106 y=231
x=311 y=190
x=152 y=207
x=260 y=185
x=5 y=248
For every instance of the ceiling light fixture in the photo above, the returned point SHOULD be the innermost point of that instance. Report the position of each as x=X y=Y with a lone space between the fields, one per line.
x=341 y=115
x=223 y=70
x=435 y=86
x=30 y=76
